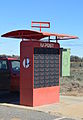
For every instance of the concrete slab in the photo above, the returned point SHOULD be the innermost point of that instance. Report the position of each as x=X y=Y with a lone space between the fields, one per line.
x=69 y=106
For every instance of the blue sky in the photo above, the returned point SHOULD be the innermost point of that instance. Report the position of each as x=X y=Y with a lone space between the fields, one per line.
x=66 y=16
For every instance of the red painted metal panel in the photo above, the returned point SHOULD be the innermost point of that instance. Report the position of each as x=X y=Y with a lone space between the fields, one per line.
x=26 y=96
x=48 y=95
x=40 y=23
x=26 y=76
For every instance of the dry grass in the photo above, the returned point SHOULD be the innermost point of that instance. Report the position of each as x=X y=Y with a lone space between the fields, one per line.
x=73 y=85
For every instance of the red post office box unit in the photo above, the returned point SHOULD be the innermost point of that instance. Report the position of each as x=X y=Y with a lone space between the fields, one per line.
x=39 y=73
x=39 y=65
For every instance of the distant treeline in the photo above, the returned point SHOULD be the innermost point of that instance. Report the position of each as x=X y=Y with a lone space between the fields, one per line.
x=73 y=58
x=14 y=56
x=76 y=59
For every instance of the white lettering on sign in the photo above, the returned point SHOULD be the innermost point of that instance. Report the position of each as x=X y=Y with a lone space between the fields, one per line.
x=48 y=45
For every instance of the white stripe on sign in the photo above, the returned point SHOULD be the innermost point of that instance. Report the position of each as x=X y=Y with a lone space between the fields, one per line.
x=59 y=118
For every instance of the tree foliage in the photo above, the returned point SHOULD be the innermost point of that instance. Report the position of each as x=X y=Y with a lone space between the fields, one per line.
x=76 y=59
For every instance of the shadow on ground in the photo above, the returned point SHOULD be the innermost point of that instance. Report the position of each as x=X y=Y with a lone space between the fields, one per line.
x=10 y=97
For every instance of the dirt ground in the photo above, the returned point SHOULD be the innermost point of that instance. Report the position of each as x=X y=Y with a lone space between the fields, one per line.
x=69 y=106
x=73 y=85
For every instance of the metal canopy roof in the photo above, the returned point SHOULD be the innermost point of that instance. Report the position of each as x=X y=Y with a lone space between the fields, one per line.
x=36 y=35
